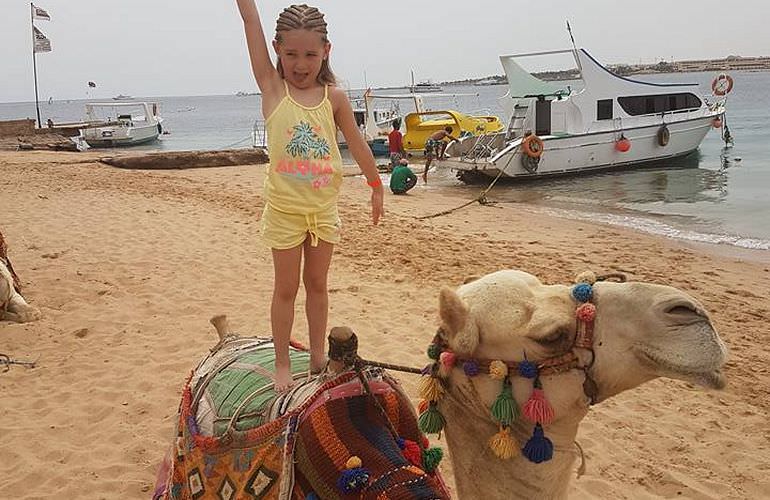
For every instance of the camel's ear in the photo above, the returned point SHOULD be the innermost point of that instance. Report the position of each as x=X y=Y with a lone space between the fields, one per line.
x=454 y=318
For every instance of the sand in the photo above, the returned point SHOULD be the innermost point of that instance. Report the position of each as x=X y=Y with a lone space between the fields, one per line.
x=128 y=267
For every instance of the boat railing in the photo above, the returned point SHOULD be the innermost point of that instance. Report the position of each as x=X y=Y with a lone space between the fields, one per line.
x=259 y=134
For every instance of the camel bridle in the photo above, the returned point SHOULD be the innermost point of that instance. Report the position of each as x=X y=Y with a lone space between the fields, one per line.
x=505 y=410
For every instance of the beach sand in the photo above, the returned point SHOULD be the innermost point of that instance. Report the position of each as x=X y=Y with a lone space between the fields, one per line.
x=128 y=267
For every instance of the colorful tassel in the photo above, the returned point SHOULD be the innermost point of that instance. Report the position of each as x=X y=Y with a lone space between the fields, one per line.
x=431 y=457
x=537 y=409
x=447 y=361
x=422 y=406
x=353 y=462
x=498 y=370
x=431 y=388
x=471 y=368
x=586 y=277
x=434 y=351
x=582 y=292
x=527 y=369
x=353 y=480
x=586 y=312
x=312 y=496
x=539 y=448
x=504 y=409
x=431 y=421
x=503 y=444
x=411 y=451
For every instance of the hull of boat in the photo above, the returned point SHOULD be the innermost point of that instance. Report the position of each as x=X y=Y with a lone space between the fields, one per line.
x=120 y=136
x=564 y=155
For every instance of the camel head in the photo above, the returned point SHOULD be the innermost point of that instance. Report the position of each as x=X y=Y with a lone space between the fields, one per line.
x=515 y=358
x=13 y=307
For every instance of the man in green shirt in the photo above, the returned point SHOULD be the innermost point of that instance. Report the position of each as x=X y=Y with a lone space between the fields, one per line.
x=402 y=179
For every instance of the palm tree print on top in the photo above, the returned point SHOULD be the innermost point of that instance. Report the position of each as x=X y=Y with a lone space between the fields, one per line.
x=310 y=156
x=306 y=143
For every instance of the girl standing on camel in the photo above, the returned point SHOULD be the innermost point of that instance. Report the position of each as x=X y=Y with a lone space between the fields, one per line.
x=303 y=110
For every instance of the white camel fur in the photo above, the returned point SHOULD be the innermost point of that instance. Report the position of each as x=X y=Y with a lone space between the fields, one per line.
x=642 y=331
x=13 y=307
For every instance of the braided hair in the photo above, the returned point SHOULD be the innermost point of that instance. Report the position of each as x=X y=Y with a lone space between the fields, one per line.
x=303 y=17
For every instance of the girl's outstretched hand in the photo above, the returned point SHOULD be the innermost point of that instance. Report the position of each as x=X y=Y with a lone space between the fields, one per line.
x=377 y=204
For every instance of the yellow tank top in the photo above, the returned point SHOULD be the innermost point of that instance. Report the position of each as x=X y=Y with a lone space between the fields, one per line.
x=305 y=172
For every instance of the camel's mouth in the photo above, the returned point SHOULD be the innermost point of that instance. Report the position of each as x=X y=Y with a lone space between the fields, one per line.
x=707 y=376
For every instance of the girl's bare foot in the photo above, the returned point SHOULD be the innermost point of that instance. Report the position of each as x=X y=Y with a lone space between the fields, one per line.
x=283 y=379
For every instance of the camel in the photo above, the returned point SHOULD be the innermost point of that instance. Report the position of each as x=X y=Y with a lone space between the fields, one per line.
x=516 y=365
x=591 y=342
x=13 y=307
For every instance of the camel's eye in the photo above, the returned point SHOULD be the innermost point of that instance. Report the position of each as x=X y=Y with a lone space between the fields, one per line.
x=682 y=310
x=552 y=338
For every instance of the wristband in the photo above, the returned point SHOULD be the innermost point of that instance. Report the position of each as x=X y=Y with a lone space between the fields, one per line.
x=374 y=184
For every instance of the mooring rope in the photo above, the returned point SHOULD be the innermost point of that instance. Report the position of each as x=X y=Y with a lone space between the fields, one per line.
x=481 y=198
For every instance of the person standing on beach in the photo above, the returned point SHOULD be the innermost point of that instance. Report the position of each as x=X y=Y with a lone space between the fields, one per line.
x=303 y=110
x=435 y=147
x=396 y=144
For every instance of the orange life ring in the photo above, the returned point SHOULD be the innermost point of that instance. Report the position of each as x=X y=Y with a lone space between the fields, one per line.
x=722 y=84
x=532 y=146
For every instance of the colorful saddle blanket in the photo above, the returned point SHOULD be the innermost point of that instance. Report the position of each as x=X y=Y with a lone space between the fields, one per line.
x=236 y=438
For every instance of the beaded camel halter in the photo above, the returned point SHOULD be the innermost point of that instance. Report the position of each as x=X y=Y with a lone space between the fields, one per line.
x=505 y=410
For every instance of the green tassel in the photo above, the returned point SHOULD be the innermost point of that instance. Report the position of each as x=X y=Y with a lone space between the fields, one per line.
x=434 y=351
x=504 y=409
x=431 y=458
x=431 y=421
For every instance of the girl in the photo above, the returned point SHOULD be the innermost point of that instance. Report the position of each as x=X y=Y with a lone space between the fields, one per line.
x=303 y=110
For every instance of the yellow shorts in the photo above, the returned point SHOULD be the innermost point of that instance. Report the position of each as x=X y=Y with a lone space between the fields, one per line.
x=281 y=230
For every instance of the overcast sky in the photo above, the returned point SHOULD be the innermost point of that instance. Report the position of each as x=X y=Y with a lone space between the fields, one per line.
x=196 y=47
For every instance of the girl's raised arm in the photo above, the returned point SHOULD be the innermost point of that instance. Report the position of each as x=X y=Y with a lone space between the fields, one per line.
x=264 y=71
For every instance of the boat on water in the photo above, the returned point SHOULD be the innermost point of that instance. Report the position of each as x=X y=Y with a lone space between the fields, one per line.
x=611 y=122
x=420 y=125
x=425 y=87
x=121 y=97
x=121 y=124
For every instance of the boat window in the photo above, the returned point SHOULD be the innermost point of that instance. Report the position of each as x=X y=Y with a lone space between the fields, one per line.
x=604 y=109
x=662 y=103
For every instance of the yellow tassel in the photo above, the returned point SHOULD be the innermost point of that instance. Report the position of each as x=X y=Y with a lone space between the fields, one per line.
x=498 y=370
x=502 y=444
x=430 y=388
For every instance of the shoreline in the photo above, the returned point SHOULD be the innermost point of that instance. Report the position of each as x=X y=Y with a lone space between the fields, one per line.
x=127 y=267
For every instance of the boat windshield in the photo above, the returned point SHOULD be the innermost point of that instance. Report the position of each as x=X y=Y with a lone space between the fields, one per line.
x=522 y=83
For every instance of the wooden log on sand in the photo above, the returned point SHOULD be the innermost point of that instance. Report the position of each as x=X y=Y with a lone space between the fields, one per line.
x=188 y=159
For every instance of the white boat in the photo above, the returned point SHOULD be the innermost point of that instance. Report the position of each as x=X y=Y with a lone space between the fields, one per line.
x=424 y=87
x=121 y=124
x=610 y=122
x=121 y=97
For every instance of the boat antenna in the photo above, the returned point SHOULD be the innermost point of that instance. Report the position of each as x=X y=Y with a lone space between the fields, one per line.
x=574 y=47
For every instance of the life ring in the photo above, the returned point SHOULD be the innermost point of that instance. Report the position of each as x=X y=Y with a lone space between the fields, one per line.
x=663 y=136
x=532 y=146
x=722 y=84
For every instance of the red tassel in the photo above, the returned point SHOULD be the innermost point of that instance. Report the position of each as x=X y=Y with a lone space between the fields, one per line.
x=537 y=409
x=422 y=406
x=413 y=453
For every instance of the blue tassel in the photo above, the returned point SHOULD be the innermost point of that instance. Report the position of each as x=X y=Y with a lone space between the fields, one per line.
x=352 y=480
x=582 y=292
x=539 y=448
x=312 y=496
x=527 y=369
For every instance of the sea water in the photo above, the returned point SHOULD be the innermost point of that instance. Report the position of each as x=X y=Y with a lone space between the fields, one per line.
x=717 y=195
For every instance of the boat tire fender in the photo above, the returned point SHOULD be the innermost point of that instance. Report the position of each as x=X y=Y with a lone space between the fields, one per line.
x=532 y=146
x=663 y=136
x=530 y=163
x=160 y=128
x=722 y=84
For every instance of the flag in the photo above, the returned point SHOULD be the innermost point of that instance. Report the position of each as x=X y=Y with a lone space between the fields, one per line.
x=92 y=85
x=38 y=13
x=42 y=43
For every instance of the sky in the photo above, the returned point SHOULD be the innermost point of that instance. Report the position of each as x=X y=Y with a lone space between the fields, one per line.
x=153 y=48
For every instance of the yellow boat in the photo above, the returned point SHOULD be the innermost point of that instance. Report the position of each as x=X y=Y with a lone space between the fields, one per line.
x=420 y=126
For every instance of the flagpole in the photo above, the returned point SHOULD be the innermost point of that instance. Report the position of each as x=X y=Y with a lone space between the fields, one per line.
x=34 y=61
